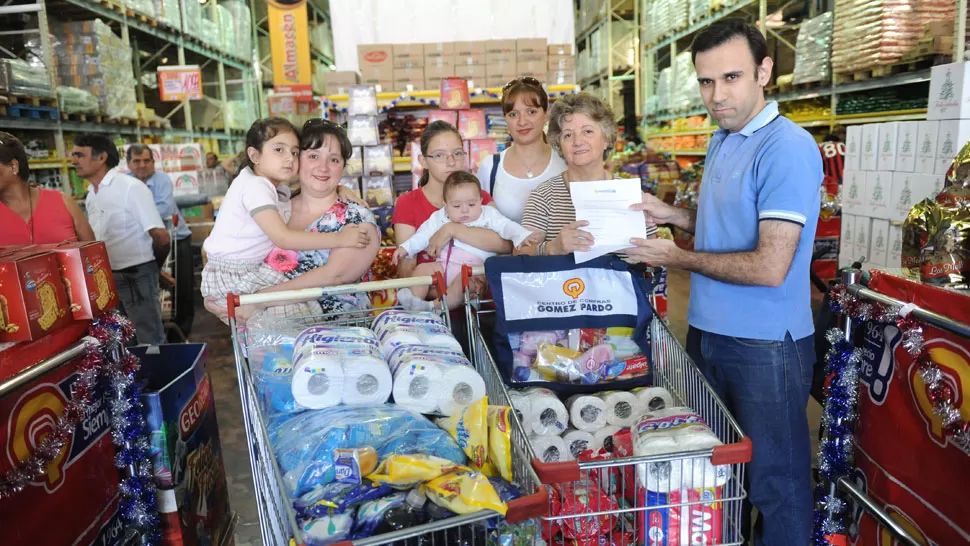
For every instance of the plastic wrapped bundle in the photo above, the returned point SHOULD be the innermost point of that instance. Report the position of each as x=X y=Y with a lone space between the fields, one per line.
x=144 y=7
x=322 y=37
x=210 y=32
x=72 y=100
x=169 y=12
x=304 y=443
x=25 y=78
x=870 y=33
x=664 y=80
x=227 y=31
x=90 y=56
x=192 y=25
x=242 y=28
x=813 y=49
x=698 y=9
x=685 y=91
x=678 y=14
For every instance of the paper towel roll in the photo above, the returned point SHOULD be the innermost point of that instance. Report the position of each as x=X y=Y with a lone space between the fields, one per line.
x=460 y=386
x=667 y=476
x=601 y=436
x=577 y=441
x=367 y=381
x=318 y=383
x=547 y=416
x=622 y=408
x=653 y=398
x=417 y=386
x=586 y=412
x=549 y=449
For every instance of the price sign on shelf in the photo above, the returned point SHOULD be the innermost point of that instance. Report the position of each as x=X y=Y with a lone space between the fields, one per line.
x=179 y=83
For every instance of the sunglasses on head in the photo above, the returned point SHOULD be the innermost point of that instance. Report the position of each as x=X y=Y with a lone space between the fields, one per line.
x=528 y=80
x=319 y=121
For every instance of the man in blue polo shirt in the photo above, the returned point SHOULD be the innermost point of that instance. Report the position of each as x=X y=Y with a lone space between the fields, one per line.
x=750 y=301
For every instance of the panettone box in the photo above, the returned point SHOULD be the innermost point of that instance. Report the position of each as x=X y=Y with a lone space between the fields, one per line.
x=87 y=276
x=33 y=302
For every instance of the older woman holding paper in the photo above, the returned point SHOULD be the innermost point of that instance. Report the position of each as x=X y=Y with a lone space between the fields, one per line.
x=582 y=130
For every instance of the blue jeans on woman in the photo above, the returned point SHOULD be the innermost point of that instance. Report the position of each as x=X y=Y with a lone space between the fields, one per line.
x=765 y=385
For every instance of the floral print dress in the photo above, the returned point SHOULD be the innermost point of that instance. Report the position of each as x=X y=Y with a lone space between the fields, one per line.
x=294 y=264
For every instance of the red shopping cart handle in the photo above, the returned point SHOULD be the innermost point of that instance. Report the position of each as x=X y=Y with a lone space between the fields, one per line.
x=232 y=301
x=535 y=505
x=736 y=453
x=466 y=274
x=439 y=282
x=553 y=473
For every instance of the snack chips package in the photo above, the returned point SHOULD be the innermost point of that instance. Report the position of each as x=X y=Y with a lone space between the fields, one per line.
x=500 y=441
x=464 y=492
x=583 y=498
x=470 y=430
x=337 y=497
x=407 y=471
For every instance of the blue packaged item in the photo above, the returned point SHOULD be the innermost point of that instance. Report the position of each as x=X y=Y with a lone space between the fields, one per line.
x=328 y=529
x=304 y=443
x=273 y=382
x=506 y=491
x=371 y=514
x=337 y=497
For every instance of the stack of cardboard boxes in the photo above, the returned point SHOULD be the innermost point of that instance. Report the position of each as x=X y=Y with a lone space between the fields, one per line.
x=491 y=63
x=889 y=167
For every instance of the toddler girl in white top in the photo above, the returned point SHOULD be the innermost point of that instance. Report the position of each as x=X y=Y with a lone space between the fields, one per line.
x=463 y=205
x=252 y=219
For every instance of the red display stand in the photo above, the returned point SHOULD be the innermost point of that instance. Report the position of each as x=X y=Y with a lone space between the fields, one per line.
x=904 y=460
x=76 y=502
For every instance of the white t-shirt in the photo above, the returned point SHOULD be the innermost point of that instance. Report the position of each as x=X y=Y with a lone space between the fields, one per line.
x=510 y=193
x=121 y=213
x=236 y=235
x=491 y=219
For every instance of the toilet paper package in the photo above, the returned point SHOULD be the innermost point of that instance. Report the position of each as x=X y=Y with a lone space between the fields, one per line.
x=549 y=449
x=304 y=443
x=577 y=441
x=676 y=430
x=339 y=365
x=432 y=379
x=603 y=438
x=542 y=412
x=653 y=398
x=586 y=412
x=622 y=408
x=396 y=334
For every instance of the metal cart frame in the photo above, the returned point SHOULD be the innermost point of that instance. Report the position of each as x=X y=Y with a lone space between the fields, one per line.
x=278 y=522
x=673 y=370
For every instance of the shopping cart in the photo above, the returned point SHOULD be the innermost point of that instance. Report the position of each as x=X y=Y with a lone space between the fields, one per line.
x=278 y=521
x=709 y=512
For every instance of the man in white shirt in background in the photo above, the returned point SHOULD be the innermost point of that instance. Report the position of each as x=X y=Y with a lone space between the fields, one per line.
x=122 y=213
x=141 y=163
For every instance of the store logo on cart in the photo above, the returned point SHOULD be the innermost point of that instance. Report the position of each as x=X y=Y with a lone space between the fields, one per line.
x=878 y=360
x=954 y=361
x=36 y=413
x=574 y=287
x=192 y=413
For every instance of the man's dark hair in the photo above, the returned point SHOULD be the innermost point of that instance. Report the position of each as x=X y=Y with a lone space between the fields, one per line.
x=831 y=137
x=138 y=149
x=99 y=144
x=725 y=30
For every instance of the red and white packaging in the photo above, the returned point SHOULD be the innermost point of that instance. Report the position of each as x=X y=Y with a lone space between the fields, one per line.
x=682 y=524
x=583 y=498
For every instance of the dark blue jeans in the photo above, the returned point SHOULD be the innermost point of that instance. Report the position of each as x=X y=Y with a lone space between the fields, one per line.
x=765 y=385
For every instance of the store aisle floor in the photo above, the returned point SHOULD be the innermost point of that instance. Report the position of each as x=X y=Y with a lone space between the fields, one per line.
x=222 y=369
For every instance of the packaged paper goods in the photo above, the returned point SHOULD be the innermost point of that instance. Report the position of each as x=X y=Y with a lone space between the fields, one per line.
x=72 y=100
x=169 y=13
x=18 y=76
x=872 y=33
x=90 y=49
x=241 y=30
x=813 y=50
x=144 y=7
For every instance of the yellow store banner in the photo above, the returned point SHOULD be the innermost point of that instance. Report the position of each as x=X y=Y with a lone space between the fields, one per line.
x=290 y=44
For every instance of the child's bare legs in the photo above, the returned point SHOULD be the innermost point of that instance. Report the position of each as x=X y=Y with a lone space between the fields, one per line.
x=456 y=293
x=414 y=298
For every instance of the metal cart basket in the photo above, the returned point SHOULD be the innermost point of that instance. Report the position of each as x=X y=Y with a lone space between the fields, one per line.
x=277 y=518
x=643 y=501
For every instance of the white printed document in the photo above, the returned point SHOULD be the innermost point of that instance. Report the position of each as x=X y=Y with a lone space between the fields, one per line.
x=605 y=204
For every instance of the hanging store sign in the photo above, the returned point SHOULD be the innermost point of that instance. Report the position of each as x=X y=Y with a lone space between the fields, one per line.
x=179 y=83
x=290 y=45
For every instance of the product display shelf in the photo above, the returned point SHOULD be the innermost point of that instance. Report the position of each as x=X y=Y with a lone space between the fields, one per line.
x=413 y=99
x=620 y=21
x=652 y=48
x=316 y=14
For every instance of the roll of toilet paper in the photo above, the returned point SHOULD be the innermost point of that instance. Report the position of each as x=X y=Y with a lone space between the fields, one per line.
x=547 y=415
x=460 y=386
x=577 y=441
x=622 y=408
x=367 y=381
x=586 y=412
x=603 y=438
x=417 y=385
x=549 y=449
x=522 y=405
x=336 y=337
x=397 y=316
x=318 y=382
x=397 y=335
x=654 y=398
x=694 y=473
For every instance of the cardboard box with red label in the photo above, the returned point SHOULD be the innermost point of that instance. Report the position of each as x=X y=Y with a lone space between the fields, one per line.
x=186 y=453
x=478 y=151
x=75 y=502
x=33 y=302
x=87 y=277
x=905 y=461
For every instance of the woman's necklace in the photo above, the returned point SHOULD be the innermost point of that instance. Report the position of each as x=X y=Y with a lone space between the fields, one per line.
x=529 y=171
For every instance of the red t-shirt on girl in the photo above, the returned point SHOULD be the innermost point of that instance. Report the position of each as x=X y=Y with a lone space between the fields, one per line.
x=413 y=209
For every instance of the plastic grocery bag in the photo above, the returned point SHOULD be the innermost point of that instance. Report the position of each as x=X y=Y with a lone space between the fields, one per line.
x=304 y=443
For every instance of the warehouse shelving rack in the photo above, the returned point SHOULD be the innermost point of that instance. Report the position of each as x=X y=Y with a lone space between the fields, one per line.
x=626 y=16
x=653 y=53
x=152 y=45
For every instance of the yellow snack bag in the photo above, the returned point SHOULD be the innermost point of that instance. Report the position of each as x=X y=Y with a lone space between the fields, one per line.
x=499 y=443
x=470 y=431
x=464 y=492
x=407 y=471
